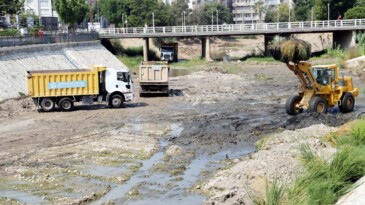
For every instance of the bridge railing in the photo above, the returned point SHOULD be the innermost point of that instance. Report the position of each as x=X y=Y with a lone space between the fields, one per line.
x=227 y=28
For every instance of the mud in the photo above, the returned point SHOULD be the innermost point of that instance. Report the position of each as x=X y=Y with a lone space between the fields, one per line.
x=155 y=149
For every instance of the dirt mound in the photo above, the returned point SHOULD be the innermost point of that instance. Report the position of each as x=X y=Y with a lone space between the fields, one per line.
x=13 y=107
x=293 y=50
x=308 y=119
x=278 y=158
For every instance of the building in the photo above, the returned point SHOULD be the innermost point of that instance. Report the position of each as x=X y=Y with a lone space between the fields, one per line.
x=196 y=3
x=244 y=10
x=41 y=8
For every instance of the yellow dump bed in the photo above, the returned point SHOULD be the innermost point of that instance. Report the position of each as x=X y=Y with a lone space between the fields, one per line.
x=53 y=83
x=152 y=72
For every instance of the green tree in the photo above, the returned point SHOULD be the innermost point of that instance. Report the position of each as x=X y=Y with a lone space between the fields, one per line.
x=71 y=11
x=224 y=14
x=136 y=12
x=337 y=8
x=357 y=12
x=302 y=9
x=260 y=9
x=177 y=10
x=10 y=6
x=114 y=10
x=271 y=15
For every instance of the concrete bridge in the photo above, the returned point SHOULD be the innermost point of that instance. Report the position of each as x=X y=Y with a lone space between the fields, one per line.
x=342 y=32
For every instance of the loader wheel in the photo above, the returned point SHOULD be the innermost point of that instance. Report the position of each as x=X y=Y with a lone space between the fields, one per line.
x=116 y=101
x=347 y=103
x=318 y=104
x=291 y=105
x=66 y=104
x=47 y=104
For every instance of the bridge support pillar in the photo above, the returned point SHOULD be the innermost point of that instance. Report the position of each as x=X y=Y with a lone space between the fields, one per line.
x=146 y=47
x=206 y=48
x=344 y=39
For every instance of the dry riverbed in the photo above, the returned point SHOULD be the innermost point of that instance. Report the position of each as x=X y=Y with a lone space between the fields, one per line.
x=163 y=150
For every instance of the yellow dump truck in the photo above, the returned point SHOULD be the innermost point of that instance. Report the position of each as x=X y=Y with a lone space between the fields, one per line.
x=154 y=77
x=61 y=88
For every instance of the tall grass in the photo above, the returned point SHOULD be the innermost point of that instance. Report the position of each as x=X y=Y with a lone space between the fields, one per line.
x=274 y=192
x=325 y=181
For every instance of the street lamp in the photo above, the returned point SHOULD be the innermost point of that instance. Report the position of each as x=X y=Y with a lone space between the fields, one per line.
x=312 y=14
x=153 y=20
x=212 y=18
x=217 y=18
x=328 y=12
x=184 y=19
x=289 y=11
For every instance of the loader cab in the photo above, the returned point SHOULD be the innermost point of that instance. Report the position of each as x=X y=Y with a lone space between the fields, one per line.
x=325 y=75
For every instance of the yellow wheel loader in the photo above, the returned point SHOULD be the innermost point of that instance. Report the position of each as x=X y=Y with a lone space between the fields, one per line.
x=321 y=88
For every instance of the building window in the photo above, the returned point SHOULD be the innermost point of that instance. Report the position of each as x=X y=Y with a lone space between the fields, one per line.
x=44 y=11
x=44 y=3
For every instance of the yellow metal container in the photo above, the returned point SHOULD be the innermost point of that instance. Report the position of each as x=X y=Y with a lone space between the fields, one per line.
x=54 y=83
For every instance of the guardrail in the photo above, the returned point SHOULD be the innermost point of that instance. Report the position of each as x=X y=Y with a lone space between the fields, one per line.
x=235 y=28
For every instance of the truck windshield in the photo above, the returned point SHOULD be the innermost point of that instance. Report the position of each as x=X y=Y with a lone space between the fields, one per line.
x=167 y=49
x=122 y=76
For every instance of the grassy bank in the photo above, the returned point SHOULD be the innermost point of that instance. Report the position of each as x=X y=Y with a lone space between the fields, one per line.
x=325 y=181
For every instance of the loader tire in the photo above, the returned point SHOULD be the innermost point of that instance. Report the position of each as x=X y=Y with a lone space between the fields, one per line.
x=116 y=101
x=291 y=105
x=347 y=103
x=66 y=104
x=47 y=104
x=318 y=104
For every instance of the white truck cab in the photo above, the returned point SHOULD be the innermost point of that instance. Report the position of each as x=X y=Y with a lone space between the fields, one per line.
x=118 y=82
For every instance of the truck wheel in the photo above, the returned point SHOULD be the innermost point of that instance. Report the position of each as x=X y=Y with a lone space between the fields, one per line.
x=116 y=101
x=47 y=104
x=347 y=103
x=291 y=105
x=66 y=104
x=318 y=104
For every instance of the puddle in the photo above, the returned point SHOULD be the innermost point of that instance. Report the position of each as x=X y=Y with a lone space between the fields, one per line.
x=121 y=190
x=164 y=188
x=107 y=171
x=178 y=72
x=22 y=197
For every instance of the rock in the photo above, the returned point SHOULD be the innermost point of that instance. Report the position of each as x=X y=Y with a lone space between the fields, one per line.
x=173 y=150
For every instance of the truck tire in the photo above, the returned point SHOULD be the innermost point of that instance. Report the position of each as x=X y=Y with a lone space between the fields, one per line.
x=291 y=104
x=347 y=103
x=116 y=101
x=66 y=104
x=47 y=104
x=318 y=104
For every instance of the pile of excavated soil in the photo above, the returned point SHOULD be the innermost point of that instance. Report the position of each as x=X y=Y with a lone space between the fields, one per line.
x=13 y=107
x=308 y=119
x=279 y=157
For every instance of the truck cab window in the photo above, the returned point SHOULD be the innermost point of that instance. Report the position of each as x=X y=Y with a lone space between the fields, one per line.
x=122 y=76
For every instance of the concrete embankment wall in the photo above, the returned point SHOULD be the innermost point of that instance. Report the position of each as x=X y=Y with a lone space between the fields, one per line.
x=15 y=61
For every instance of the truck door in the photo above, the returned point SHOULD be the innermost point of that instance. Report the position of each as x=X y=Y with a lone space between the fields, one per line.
x=123 y=84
